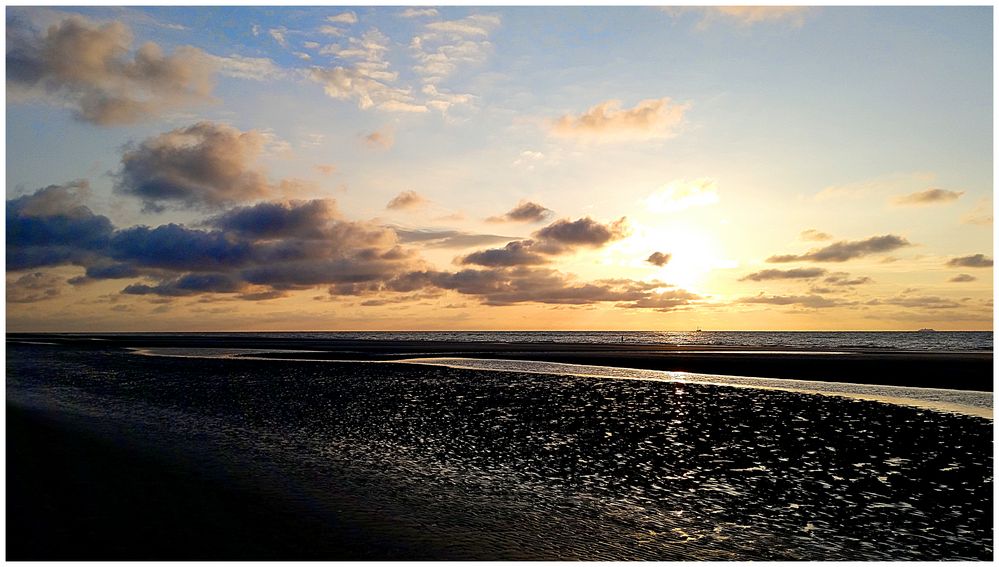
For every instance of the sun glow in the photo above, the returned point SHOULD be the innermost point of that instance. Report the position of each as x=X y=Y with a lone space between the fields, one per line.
x=693 y=254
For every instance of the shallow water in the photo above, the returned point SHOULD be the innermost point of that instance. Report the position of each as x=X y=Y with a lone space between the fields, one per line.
x=514 y=464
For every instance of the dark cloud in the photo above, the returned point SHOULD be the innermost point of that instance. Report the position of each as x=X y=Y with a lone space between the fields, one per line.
x=526 y=211
x=448 y=238
x=796 y=273
x=174 y=247
x=204 y=165
x=517 y=253
x=52 y=227
x=928 y=197
x=582 y=232
x=301 y=219
x=190 y=284
x=844 y=279
x=659 y=259
x=406 y=200
x=87 y=67
x=812 y=234
x=32 y=287
x=810 y=301
x=847 y=250
x=975 y=261
x=963 y=278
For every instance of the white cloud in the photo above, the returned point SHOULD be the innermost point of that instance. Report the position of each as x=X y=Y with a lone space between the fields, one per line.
x=608 y=122
x=343 y=18
x=418 y=12
x=252 y=68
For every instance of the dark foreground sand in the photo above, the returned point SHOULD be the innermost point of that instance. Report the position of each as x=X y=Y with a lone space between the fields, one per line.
x=111 y=455
x=955 y=370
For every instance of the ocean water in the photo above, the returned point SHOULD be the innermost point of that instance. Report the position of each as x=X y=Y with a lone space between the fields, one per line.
x=889 y=340
x=520 y=464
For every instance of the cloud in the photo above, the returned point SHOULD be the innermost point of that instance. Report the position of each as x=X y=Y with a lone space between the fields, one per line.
x=664 y=301
x=86 y=66
x=792 y=274
x=407 y=200
x=920 y=302
x=809 y=301
x=607 y=122
x=751 y=15
x=278 y=35
x=446 y=45
x=448 y=238
x=269 y=220
x=380 y=139
x=843 y=279
x=928 y=197
x=659 y=259
x=343 y=18
x=418 y=13
x=581 y=232
x=847 y=250
x=189 y=284
x=207 y=164
x=815 y=235
x=561 y=237
x=52 y=227
x=975 y=261
x=249 y=68
x=33 y=287
x=962 y=278
x=367 y=79
x=525 y=211
x=325 y=169
x=683 y=194
x=981 y=215
x=517 y=253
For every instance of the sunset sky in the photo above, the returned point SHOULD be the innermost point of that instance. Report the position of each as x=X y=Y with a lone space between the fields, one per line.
x=417 y=168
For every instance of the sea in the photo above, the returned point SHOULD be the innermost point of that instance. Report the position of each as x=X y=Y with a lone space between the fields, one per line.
x=944 y=341
x=542 y=462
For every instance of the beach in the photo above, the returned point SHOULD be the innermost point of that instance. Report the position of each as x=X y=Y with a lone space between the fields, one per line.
x=117 y=455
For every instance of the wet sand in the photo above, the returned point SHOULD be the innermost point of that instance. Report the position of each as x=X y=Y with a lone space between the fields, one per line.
x=117 y=456
x=968 y=370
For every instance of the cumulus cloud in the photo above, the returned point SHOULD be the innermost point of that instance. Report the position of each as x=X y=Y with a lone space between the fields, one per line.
x=525 y=211
x=418 y=13
x=517 y=253
x=974 y=261
x=90 y=68
x=847 y=250
x=928 y=197
x=301 y=219
x=815 y=235
x=608 y=122
x=407 y=200
x=919 y=302
x=670 y=300
x=560 y=237
x=446 y=45
x=207 y=164
x=659 y=259
x=343 y=18
x=960 y=278
x=793 y=274
x=683 y=194
x=52 y=226
x=32 y=287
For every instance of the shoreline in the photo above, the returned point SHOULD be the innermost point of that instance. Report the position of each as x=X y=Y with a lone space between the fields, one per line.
x=959 y=370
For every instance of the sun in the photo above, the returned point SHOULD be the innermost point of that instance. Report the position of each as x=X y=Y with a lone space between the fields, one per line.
x=693 y=254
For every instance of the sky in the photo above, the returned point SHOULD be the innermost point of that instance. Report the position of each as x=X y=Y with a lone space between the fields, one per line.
x=419 y=168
